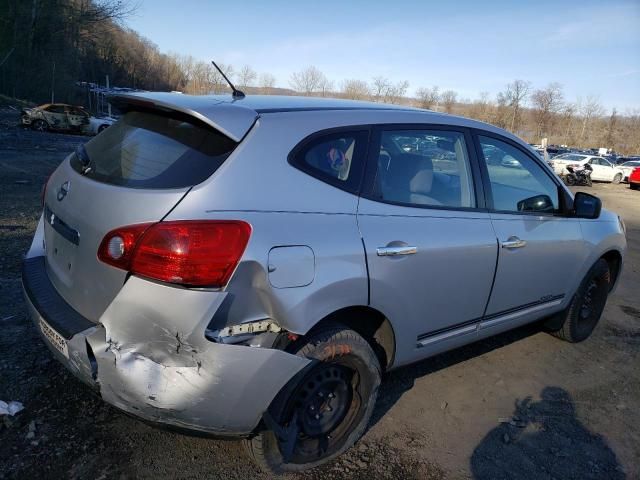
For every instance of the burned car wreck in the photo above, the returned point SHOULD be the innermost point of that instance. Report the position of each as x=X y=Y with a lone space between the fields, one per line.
x=57 y=117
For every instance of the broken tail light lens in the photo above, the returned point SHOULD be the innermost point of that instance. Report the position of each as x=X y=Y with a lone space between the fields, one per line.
x=191 y=253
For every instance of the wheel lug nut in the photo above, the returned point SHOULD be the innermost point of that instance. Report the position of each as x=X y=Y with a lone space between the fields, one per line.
x=312 y=408
x=331 y=395
x=320 y=394
x=329 y=409
x=317 y=417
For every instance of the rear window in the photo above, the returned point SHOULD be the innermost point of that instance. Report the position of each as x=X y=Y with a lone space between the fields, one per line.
x=153 y=150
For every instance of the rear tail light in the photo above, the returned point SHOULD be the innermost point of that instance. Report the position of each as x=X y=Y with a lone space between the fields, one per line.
x=191 y=253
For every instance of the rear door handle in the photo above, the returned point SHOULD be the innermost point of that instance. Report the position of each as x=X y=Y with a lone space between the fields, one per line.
x=395 y=251
x=514 y=242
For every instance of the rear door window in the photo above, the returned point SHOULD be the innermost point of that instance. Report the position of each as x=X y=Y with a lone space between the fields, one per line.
x=154 y=150
x=424 y=168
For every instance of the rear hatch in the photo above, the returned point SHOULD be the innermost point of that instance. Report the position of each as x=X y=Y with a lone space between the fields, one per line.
x=134 y=172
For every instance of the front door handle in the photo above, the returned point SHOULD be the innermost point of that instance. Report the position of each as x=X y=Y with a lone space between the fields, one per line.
x=394 y=251
x=514 y=242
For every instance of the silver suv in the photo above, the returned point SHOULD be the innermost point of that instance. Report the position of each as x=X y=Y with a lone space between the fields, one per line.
x=251 y=267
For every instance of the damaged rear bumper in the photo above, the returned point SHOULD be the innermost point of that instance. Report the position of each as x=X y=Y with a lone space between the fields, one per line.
x=148 y=355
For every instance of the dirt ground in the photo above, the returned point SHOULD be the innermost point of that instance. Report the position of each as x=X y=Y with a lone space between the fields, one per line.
x=520 y=405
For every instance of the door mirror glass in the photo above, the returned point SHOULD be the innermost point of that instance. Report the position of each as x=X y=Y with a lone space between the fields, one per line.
x=586 y=206
x=538 y=203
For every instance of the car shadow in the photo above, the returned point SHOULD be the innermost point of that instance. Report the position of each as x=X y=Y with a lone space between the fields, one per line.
x=544 y=440
x=397 y=382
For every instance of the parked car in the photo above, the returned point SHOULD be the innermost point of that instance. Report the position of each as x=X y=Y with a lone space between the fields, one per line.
x=634 y=179
x=56 y=116
x=509 y=161
x=603 y=170
x=250 y=267
x=98 y=124
x=628 y=167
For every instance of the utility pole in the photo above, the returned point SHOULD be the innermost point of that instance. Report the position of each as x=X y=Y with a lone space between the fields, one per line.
x=53 y=81
x=108 y=104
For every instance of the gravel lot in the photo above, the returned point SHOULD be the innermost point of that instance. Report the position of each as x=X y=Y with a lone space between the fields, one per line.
x=521 y=405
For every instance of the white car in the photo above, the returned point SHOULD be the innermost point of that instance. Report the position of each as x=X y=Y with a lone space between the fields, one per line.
x=98 y=124
x=627 y=168
x=603 y=170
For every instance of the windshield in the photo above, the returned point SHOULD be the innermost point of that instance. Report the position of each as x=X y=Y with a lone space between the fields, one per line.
x=631 y=164
x=153 y=150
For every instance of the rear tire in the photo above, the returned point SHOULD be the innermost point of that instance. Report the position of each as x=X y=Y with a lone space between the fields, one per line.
x=332 y=402
x=101 y=128
x=576 y=323
x=618 y=178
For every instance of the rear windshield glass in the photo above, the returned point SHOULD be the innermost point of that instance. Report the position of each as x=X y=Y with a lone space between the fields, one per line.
x=153 y=150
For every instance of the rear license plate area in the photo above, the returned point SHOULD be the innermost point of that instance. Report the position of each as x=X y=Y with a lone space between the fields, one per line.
x=54 y=338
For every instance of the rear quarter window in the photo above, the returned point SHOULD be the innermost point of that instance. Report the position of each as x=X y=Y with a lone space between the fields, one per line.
x=155 y=151
x=335 y=158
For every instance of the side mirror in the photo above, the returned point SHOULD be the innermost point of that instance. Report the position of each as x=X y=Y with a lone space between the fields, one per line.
x=539 y=203
x=586 y=206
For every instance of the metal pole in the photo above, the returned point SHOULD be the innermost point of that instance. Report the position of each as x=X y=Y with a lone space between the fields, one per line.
x=108 y=104
x=53 y=80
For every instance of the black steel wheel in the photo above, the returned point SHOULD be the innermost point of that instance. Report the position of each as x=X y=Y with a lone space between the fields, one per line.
x=326 y=409
x=578 y=321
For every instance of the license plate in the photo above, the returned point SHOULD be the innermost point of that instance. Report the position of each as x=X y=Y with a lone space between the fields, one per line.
x=54 y=338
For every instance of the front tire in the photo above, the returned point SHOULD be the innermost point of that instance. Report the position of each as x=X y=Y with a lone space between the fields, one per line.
x=576 y=323
x=40 y=126
x=329 y=407
x=618 y=178
x=570 y=180
x=634 y=186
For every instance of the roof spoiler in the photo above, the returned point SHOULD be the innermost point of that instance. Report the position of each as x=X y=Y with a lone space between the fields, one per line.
x=229 y=118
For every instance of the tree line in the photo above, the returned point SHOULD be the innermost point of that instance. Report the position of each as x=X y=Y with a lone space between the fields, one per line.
x=48 y=46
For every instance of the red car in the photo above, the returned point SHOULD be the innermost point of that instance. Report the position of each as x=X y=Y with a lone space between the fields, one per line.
x=634 y=179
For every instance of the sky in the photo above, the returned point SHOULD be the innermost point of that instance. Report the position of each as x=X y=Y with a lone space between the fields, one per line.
x=589 y=47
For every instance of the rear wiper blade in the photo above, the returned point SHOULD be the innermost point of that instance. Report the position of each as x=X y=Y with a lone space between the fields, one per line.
x=83 y=156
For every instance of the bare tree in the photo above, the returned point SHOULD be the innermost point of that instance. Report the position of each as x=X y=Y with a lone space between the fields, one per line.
x=428 y=97
x=395 y=92
x=308 y=81
x=610 y=136
x=480 y=109
x=589 y=110
x=266 y=82
x=546 y=102
x=515 y=95
x=326 y=86
x=568 y=118
x=246 y=76
x=355 y=89
x=380 y=87
x=448 y=99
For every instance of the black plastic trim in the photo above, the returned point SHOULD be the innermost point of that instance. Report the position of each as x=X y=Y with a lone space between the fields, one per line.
x=48 y=302
x=61 y=227
x=433 y=333
x=523 y=307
